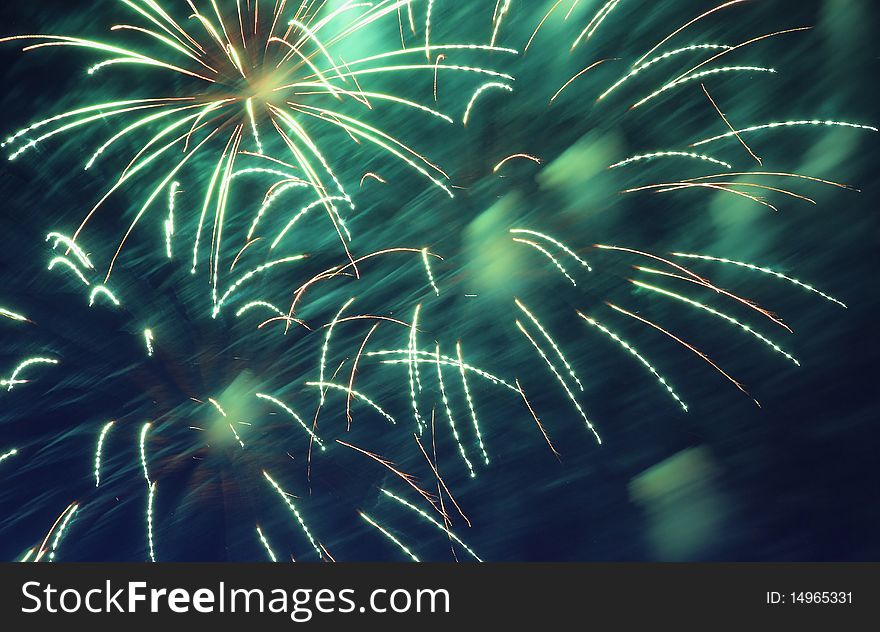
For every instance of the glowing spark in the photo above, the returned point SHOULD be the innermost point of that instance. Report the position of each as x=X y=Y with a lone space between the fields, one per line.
x=290 y=412
x=628 y=347
x=470 y=403
x=100 y=289
x=637 y=69
x=572 y=80
x=148 y=339
x=812 y=123
x=428 y=271
x=8 y=454
x=341 y=387
x=534 y=159
x=12 y=315
x=286 y=498
x=326 y=345
x=547 y=254
x=555 y=242
x=266 y=544
x=664 y=154
x=431 y=519
x=60 y=533
x=74 y=248
x=561 y=381
x=150 y=521
x=13 y=378
x=449 y=416
x=499 y=16
x=751 y=266
x=535 y=417
x=70 y=265
x=389 y=536
x=143 y=448
x=249 y=276
x=597 y=20
x=478 y=92
x=705 y=73
x=714 y=312
x=550 y=340
x=169 y=223
x=101 y=437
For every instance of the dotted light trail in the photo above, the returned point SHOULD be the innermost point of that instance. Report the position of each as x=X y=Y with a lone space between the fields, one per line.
x=666 y=154
x=12 y=380
x=98 y=449
x=8 y=454
x=561 y=381
x=550 y=340
x=628 y=347
x=266 y=544
x=429 y=272
x=715 y=312
x=432 y=520
x=351 y=391
x=326 y=345
x=450 y=417
x=547 y=254
x=470 y=402
x=143 y=448
x=56 y=542
x=811 y=123
x=290 y=412
x=150 y=521
x=763 y=270
x=400 y=545
x=286 y=498
x=555 y=242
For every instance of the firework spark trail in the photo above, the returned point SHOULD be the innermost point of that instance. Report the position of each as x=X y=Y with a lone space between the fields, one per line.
x=540 y=24
x=266 y=544
x=504 y=161
x=812 y=123
x=717 y=313
x=666 y=154
x=326 y=345
x=150 y=520
x=100 y=445
x=286 y=498
x=547 y=254
x=27 y=555
x=341 y=387
x=450 y=416
x=499 y=16
x=637 y=69
x=74 y=248
x=432 y=359
x=478 y=92
x=104 y=291
x=687 y=345
x=222 y=300
x=303 y=211
x=763 y=270
x=595 y=23
x=550 y=340
x=729 y=126
x=12 y=380
x=701 y=281
x=298 y=419
x=400 y=545
x=685 y=26
x=577 y=76
x=561 y=381
x=706 y=73
x=635 y=353
x=409 y=479
x=270 y=199
x=169 y=223
x=470 y=402
x=413 y=369
x=440 y=482
x=537 y=421
x=430 y=519
x=71 y=266
x=42 y=548
x=8 y=454
x=555 y=242
x=429 y=273
x=143 y=450
x=354 y=367
x=56 y=542
x=5 y=313
x=148 y=339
